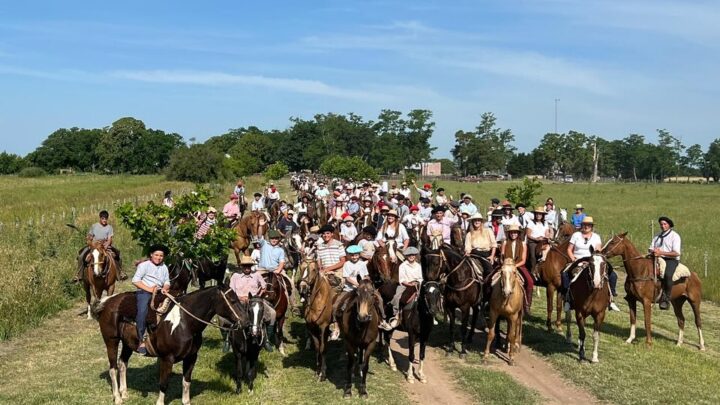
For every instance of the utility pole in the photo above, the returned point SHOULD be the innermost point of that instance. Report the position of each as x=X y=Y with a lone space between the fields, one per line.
x=556 y=101
x=596 y=157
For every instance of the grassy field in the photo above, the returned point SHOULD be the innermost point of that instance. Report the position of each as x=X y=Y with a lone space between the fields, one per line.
x=37 y=250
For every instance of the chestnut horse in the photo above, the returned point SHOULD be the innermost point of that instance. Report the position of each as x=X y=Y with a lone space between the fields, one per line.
x=178 y=335
x=359 y=326
x=548 y=271
x=507 y=297
x=590 y=293
x=277 y=295
x=318 y=315
x=254 y=224
x=100 y=273
x=643 y=285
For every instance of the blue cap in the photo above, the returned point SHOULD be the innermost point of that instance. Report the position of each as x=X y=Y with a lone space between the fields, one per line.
x=354 y=249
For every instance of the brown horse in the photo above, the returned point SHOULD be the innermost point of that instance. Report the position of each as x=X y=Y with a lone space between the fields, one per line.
x=100 y=273
x=277 y=295
x=381 y=268
x=643 y=285
x=254 y=224
x=318 y=316
x=564 y=232
x=506 y=300
x=178 y=335
x=590 y=293
x=320 y=211
x=548 y=271
x=457 y=237
x=359 y=326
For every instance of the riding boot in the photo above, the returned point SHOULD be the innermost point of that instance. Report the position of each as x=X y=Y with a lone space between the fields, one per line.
x=226 y=344
x=270 y=330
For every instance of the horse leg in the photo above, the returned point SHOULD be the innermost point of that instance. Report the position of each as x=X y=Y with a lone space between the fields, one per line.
x=695 y=305
x=88 y=298
x=550 y=295
x=411 y=356
x=323 y=343
x=473 y=324
x=165 y=371
x=491 y=334
x=390 y=358
x=349 y=370
x=188 y=366
x=122 y=369
x=251 y=367
x=677 y=307
x=112 y=352
x=364 y=370
x=279 y=335
x=239 y=361
x=632 y=309
x=512 y=337
x=647 y=311
x=568 y=331
x=451 y=326
x=423 y=343
x=559 y=302
x=598 y=321
x=580 y=319
x=463 y=327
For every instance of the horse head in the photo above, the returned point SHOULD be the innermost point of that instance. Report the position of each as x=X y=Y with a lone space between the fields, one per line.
x=615 y=246
x=309 y=273
x=365 y=300
x=382 y=263
x=432 y=297
x=229 y=306
x=96 y=257
x=433 y=263
x=599 y=268
x=507 y=276
x=255 y=311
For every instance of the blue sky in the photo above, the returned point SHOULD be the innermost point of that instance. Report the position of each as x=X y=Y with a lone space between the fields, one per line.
x=199 y=68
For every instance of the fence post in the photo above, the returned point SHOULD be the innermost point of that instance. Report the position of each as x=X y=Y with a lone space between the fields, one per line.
x=652 y=230
x=705 y=257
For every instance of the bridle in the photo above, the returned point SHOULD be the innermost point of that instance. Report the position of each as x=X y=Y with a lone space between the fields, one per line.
x=235 y=325
x=444 y=263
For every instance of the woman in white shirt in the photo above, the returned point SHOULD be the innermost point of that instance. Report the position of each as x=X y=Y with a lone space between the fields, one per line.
x=410 y=275
x=536 y=231
x=392 y=229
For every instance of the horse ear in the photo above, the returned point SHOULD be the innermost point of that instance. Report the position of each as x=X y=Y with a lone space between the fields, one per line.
x=250 y=296
x=624 y=234
x=359 y=279
x=592 y=250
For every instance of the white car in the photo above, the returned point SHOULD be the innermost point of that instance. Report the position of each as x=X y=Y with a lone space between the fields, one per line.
x=568 y=179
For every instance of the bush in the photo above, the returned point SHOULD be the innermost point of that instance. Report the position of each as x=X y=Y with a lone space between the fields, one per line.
x=348 y=167
x=11 y=163
x=276 y=171
x=199 y=164
x=32 y=172
x=524 y=193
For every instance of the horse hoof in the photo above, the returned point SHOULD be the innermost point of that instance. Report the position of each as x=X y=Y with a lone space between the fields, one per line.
x=238 y=391
x=124 y=395
x=702 y=348
x=595 y=360
x=363 y=395
x=347 y=394
x=393 y=367
x=423 y=380
x=410 y=379
x=250 y=391
x=511 y=362
x=628 y=341
x=118 y=401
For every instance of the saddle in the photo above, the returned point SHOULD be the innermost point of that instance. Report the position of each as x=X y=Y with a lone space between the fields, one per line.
x=682 y=271
x=159 y=306
x=409 y=298
x=496 y=277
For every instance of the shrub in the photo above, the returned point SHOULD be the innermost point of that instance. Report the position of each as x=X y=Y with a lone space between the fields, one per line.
x=32 y=172
x=348 y=167
x=276 y=171
x=199 y=164
x=524 y=193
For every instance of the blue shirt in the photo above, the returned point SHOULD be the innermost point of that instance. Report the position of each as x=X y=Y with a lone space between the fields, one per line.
x=152 y=275
x=577 y=219
x=270 y=256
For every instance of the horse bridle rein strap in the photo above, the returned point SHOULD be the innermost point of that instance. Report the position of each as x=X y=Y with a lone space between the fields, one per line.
x=213 y=324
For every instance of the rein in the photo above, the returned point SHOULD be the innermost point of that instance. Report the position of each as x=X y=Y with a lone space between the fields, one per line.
x=444 y=277
x=174 y=301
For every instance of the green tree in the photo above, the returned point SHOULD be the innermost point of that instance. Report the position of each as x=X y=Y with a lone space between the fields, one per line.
x=276 y=171
x=488 y=148
x=416 y=138
x=348 y=167
x=669 y=150
x=118 y=141
x=73 y=148
x=521 y=164
x=712 y=161
x=198 y=163
x=693 y=160
x=11 y=163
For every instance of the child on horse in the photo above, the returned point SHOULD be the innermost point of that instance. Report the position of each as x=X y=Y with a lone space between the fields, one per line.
x=100 y=231
x=149 y=276
x=410 y=275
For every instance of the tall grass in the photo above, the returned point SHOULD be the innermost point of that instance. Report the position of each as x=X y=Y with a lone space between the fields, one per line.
x=37 y=250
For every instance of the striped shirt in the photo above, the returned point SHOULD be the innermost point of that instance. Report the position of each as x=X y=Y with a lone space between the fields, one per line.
x=330 y=253
x=152 y=275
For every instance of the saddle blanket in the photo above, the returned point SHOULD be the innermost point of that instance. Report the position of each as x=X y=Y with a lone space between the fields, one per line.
x=680 y=272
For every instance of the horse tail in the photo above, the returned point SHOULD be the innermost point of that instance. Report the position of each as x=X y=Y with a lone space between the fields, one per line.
x=97 y=306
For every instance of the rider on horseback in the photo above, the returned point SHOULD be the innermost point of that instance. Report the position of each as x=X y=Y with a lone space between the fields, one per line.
x=481 y=243
x=149 y=276
x=249 y=283
x=352 y=269
x=231 y=210
x=667 y=245
x=410 y=275
x=102 y=232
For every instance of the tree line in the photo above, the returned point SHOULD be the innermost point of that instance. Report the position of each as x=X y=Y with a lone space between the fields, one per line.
x=347 y=143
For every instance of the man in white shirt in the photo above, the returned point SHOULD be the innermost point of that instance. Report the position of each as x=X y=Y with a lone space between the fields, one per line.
x=468 y=206
x=668 y=245
x=405 y=190
x=258 y=203
x=322 y=191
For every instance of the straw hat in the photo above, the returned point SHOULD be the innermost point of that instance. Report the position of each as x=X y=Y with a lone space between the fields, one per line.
x=393 y=213
x=475 y=216
x=540 y=210
x=587 y=220
x=514 y=228
x=247 y=261
x=578 y=206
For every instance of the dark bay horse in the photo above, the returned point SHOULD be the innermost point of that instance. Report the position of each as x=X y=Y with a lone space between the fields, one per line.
x=277 y=295
x=178 y=336
x=507 y=296
x=318 y=315
x=247 y=343
x=644 y=286
x=254 y=224
x=418 y=320
x=548 y=271
x=462 y=289
x=590 y=293
x=208 y=270
x=101 y=272
x=359 y=326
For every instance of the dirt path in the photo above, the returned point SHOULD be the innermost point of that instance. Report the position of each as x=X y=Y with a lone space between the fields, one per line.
x=439 y=389
x=533 y=372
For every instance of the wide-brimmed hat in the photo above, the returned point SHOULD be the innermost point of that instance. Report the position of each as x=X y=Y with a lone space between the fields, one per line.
x=427 y=185
x=438 y=209
x=411 y=250
x=506 y=204
x=348 y=218
x=668 y=220
x=354 y=249
x=497 y=213
x=385 y=208
x=578 y=206
x=314 y=229
x=160 y=247
x=475 y=216
x=211 y=209
x=540 y=210
x=513 y=228
x=246 y=261
x=455 y=204
x=274 y=234
x=392 y=213
x=327 y=228
x=520 y=205
x=587 y=221
x=257 y=195
x=468 y=196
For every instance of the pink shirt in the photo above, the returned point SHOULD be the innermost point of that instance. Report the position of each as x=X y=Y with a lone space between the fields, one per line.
x=442 y=227
x=231 y=210
x=244 y=285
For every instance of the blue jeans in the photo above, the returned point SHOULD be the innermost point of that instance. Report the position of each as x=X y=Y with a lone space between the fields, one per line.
x=143 y=301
